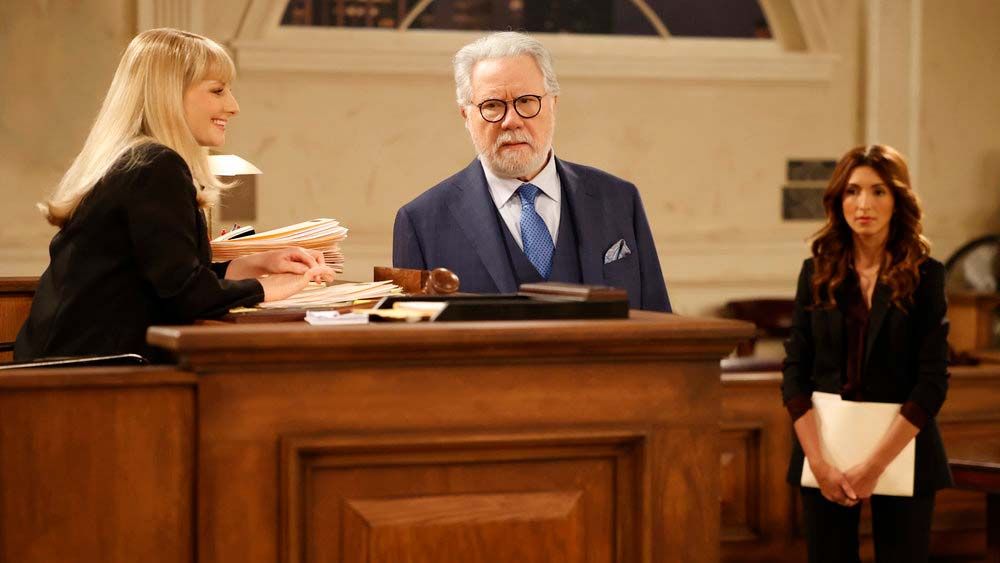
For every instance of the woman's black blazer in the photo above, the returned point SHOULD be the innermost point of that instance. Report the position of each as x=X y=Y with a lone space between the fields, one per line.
x=906 y=359
x=134 y=254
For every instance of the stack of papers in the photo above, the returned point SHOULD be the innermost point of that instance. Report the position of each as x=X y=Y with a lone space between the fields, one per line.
x=319 y=234
x=336 y=295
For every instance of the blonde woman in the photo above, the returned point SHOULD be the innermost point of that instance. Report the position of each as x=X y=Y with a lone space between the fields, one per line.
x=132 y=248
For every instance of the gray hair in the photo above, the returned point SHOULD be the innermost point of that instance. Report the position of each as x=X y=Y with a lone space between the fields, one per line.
x=499 y=46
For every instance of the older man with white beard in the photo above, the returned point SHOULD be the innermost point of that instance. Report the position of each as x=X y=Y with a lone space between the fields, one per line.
x=517 y=214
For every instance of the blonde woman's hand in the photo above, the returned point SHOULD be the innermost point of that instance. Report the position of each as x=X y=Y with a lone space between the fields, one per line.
x=290 y=260
x=282 y=286
x=293 y=260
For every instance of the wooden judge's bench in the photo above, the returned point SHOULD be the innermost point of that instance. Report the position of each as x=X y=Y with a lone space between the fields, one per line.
x=545 y=441
x=555 y=441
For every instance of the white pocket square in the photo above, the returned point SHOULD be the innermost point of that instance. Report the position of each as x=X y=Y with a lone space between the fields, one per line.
x=617 y=251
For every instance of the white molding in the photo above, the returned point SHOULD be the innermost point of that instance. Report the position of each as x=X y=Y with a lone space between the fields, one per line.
x=651 y=16
x=872 y=76
x=814 y=24
x=430 y=52
x=892 y=77
x=179 y=14
x=916 y=59
x=784 y=24
x=263 y=18
x=262 y=44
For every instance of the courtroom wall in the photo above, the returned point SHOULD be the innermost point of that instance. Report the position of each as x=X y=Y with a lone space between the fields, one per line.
x=708 y=155
x=56 y=62
x=959 y=178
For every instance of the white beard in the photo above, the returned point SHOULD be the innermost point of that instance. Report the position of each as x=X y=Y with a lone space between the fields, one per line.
x=513 y=164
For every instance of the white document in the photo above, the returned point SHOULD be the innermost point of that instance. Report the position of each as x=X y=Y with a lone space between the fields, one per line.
x=326 y=318
x=849 y=432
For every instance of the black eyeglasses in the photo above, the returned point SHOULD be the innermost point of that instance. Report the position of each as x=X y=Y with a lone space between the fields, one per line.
x=527 y=106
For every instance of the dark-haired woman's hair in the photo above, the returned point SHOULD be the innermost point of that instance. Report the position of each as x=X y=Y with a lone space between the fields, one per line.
x=906 y=247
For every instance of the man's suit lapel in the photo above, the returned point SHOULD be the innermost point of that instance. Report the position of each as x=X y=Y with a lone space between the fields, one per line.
x=591 y=223
x=475 y=214
x=881 y=301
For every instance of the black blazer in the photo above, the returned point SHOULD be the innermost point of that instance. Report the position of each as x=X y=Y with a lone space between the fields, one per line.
x=906 y=359
x=134 y=254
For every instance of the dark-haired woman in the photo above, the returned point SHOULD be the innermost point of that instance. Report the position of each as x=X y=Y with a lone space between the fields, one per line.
x=870 y=325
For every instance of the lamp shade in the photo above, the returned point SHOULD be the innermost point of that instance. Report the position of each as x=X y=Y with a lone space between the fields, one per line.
x=231 y=165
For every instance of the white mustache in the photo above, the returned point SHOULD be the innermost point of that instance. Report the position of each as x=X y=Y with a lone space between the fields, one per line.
x=508 y=137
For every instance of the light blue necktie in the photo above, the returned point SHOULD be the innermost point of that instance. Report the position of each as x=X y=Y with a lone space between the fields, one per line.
x=534 y=234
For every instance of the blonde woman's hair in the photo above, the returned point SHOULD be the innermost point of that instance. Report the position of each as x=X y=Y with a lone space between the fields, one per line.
x=145 y=105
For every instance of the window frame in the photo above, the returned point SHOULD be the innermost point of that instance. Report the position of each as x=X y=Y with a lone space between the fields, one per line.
x=798 y=53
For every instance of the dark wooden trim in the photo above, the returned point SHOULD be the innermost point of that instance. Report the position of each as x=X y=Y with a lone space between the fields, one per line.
x=96 y=377
x=976 y=466
x=18 y=285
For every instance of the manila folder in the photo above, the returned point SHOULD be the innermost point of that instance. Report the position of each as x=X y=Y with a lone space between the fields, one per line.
x=849 y=432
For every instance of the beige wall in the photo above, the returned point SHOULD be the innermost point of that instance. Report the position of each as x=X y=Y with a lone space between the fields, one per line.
x=959 y=179
x=56 y=61
x=708 y=155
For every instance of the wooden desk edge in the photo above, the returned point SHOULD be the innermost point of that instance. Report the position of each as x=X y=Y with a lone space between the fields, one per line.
x=975 y=465
x=18 y=285
x=96 y=377
x=641 y=326
x=974 y=298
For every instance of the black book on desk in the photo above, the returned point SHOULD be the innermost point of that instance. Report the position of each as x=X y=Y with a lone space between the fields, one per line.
x=537 y=301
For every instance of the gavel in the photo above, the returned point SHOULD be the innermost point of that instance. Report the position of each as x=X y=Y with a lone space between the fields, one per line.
x=439 y=281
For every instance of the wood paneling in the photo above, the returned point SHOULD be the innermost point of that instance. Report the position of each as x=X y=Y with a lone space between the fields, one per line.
x=482 y=528
x=556 y=441
x=370 y=426
x=245 y=415
x=740 y=482
x=972 y=317
x=15 y=303
x=573 y=496
x=96 y=466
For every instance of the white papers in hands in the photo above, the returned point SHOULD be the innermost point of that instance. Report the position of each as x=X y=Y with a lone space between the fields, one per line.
x=848 y=434
x=335 y=318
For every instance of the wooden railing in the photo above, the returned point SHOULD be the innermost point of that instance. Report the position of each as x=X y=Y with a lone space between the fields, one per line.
x=15 y=303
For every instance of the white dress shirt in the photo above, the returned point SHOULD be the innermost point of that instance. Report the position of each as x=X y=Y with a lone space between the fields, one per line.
x=547 y=205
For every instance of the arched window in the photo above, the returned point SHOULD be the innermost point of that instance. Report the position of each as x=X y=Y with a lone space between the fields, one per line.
x=655 y=39
x=705 y=18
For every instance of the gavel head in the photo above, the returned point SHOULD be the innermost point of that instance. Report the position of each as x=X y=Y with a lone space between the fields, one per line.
x=441 y=281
